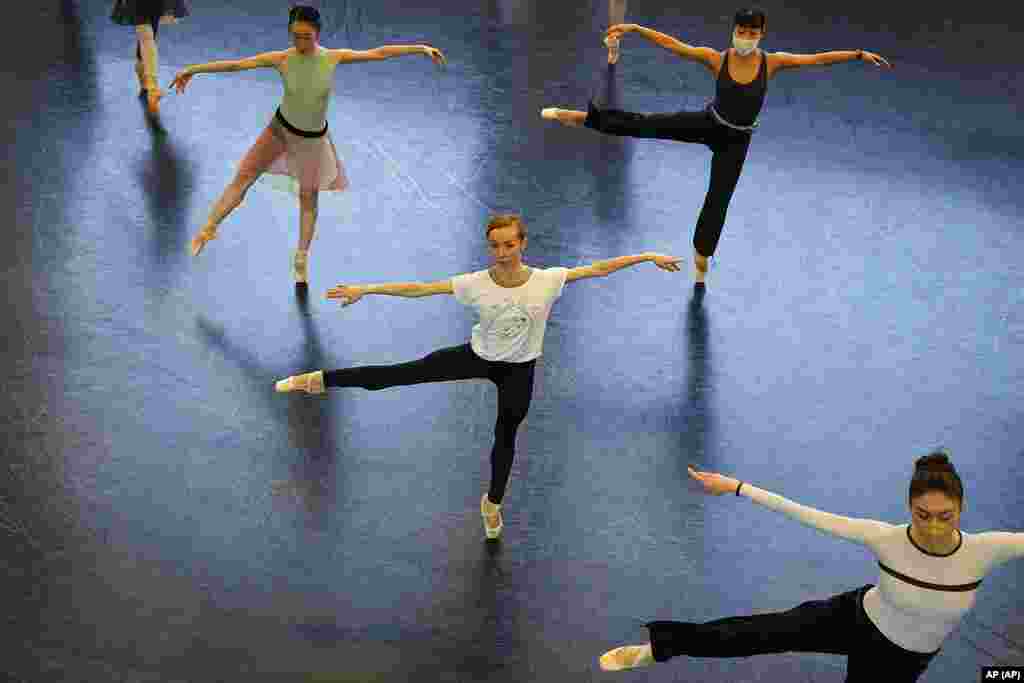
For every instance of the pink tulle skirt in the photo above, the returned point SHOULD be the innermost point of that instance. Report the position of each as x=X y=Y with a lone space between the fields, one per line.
x=293 y=162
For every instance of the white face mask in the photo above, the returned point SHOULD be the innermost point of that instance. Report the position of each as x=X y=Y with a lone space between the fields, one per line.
x=744 y=46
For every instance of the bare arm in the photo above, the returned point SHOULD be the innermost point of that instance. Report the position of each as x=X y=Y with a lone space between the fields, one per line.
x=703 y=55
x=260 y=61
x=1003 y=546
x=353 y=293
x=609 y=266
x=387 y=52
x=786 y=60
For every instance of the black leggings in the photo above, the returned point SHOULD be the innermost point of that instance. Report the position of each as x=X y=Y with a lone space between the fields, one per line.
x=728 y=146
x=514 y=382
x=838 y=626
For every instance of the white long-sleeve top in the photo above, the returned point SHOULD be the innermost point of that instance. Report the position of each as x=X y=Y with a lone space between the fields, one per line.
x=920 y=597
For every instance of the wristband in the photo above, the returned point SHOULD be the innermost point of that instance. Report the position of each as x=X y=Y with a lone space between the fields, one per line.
x=738 y=488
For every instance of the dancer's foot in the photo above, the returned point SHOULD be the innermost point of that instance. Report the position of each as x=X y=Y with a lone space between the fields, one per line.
x=492 y=517
x=299 y=264
x=153 y=95
x=700 y=263
x=627 y=657
x=566 y=117
x=311 y=383
x=613 y=49
x=202 y=237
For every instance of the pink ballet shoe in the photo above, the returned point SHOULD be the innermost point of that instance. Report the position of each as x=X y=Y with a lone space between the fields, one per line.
x=311 y=383
x=299 y=266
x=491 y=513
x=201 y=238
x=627 y=657
x=613 y=49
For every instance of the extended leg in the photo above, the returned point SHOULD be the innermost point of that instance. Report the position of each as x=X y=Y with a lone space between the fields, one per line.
x=259 y=157
x=444 y=365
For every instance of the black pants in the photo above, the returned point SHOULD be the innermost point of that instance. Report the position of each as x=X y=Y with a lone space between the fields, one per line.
x=514 y=382
x=838 y=626
x=728 y=147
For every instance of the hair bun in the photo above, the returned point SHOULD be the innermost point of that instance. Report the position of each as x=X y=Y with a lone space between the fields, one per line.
x=937 y=461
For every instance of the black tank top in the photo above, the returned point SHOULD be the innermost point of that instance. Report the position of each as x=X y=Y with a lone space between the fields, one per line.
x=740 y=103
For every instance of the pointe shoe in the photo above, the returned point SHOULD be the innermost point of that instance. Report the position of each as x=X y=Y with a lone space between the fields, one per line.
x=550 y=113
x=153 y=95
x=489 y=511
x=201 y=238
x=626 y=657
x=613 y=49
x=299 y=266
x=311 y=383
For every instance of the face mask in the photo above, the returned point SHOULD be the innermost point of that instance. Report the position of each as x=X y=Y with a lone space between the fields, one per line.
x=744 y=46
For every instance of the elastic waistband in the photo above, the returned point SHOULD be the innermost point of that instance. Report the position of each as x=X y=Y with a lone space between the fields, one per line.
x=718 y=117
x=298 y=131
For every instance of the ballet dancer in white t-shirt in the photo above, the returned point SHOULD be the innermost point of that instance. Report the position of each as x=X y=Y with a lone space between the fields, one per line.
x=929 y=577
x=513 y=302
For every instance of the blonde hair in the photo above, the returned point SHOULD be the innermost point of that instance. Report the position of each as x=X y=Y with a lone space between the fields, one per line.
x=505 y=220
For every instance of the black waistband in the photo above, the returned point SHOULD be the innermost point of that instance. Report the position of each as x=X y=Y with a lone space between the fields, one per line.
x=298 y=131
x=960 y=588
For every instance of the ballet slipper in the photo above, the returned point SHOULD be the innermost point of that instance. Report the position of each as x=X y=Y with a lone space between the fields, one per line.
x=613 y=49
x=201 y=238
x=627 y=657
x=311 y=383
x=153 y=94
x=299 y=266
x=550 y=113
x=489 y=511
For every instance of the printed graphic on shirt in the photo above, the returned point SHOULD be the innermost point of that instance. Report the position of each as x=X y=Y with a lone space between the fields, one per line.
x=510 y=322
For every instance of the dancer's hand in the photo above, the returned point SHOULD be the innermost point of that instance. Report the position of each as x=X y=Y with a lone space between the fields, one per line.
x=615 y=32
x=181 y=80
x=714 y=483
x=436 y=55
x=669 y=263
x=872 y=58
x=348 y=295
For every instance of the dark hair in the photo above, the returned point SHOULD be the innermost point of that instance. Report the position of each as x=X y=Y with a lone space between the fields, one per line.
x=750 y=17
x=309 y=15
x=506 y=220
x=934 y=472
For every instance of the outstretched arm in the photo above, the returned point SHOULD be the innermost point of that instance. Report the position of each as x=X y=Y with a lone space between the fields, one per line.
x=703 y=55
x=1003 y=546
x=260 y=61
x=609 y=266
x=353 y=293
x=863 y=531
x=387 y=52
x=786 y=60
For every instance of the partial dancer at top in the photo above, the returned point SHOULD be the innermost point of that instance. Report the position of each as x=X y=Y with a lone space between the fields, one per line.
x=725 y=126
x=929 y=576
x=295 y=143
x=513 y=302
x=146 y=16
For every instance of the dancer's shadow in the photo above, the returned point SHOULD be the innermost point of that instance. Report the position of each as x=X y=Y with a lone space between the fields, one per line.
x=166 y=180
x=613 y=154
x=307 y=418
x=697 y=420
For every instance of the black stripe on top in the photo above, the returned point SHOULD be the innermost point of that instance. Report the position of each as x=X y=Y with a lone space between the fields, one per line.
x=962 y=588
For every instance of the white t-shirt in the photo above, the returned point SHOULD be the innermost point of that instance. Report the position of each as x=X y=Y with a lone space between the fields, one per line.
x=920 y=597
x=512 y=319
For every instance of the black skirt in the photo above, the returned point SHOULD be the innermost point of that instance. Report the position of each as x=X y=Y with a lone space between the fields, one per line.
x=135 y=12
